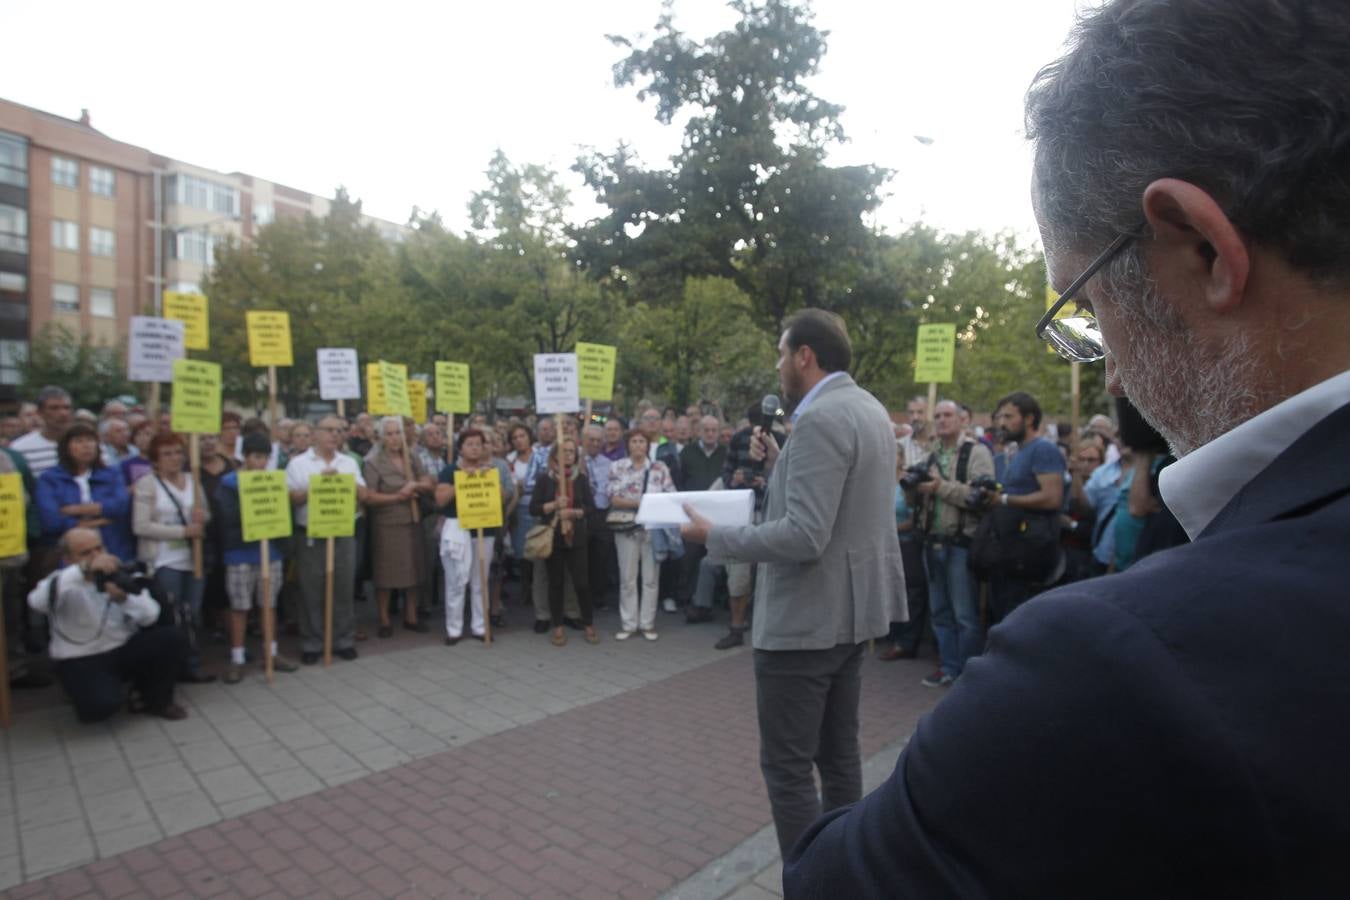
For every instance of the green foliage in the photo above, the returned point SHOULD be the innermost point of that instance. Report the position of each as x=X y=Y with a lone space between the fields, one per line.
x=92 y=373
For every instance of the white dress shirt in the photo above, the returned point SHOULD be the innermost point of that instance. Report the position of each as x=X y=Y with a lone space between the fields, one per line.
x=299 y=470
x=1198 y=486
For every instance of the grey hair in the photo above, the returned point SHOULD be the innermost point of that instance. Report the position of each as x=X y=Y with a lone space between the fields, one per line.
x=385 y=420
x=52 y=392
x=1247 y=99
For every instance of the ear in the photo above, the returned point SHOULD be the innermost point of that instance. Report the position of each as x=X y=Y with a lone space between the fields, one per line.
x=1197 y=241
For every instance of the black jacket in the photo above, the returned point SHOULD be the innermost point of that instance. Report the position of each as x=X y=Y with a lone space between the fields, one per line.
x=1177 y=730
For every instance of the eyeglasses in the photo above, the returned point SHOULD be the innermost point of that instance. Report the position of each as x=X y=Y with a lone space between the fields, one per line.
x=1078 y=338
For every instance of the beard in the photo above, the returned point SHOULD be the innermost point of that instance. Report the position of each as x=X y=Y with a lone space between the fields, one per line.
x=791 y=383
x=1191 y=390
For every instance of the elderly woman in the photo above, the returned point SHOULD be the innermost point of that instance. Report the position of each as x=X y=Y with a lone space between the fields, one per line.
x=397 y=550
x=80 y=491
x=168 y=514
x=629 y=479
x=565 y=495
x=302 y=438
x=459 y=548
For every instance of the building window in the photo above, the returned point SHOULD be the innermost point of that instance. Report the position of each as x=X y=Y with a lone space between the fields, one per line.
x=65 y=297
x=186 y=287
x=196 y=246
x=13 y=160
x=13 y=281
x=264 y=214
x=65 y=172
x=13 y=312
x=12 y=355
x=13 y=228
x=102 y=302
x=65 y=235
x=188 y=190
x=102 y=241
x=102 y=181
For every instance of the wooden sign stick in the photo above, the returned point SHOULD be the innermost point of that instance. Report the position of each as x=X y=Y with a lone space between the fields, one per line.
x=272 y=396
x=5 y=711
x=195 y=449
x=487 y=597
x=152 y=406
x=342 y=409
x=268 y=622
x=328 y=605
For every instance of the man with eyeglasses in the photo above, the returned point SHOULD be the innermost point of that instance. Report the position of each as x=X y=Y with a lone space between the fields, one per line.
x=1178 y=729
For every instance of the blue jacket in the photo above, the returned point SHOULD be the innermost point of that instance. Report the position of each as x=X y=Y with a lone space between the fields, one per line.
x=56 y=488
x=1177 y=730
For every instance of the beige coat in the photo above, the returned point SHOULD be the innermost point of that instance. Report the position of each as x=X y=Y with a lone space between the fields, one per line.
x=146 y=524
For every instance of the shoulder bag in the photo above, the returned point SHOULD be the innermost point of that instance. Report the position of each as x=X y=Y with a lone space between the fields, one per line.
x=624 y=520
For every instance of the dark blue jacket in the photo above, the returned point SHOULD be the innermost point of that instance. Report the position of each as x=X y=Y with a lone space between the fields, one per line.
x=1178 y=730
x=56 y=488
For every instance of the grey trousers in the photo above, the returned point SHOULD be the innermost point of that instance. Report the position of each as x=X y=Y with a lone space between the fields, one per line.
x=311 y=560
x=539 y=593
x=808 y=720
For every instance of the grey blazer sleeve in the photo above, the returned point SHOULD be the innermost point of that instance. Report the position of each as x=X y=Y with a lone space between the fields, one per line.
x=812 y=473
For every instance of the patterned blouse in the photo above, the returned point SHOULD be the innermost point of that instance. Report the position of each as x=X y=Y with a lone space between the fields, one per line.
x=626 y=481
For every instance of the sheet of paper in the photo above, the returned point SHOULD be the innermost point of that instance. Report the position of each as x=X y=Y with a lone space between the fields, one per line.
x=723 y=508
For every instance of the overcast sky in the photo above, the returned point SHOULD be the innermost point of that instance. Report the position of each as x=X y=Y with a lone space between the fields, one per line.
x=405 y=102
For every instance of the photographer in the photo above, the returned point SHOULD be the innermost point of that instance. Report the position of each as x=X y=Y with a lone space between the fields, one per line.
x=101 y=635
x=952 y=501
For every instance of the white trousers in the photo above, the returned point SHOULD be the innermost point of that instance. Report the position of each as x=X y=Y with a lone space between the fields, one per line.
x=635 y=557
x=461 y=570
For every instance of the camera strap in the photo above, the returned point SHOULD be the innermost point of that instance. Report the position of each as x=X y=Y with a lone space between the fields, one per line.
x=962 y=470
x=52 y=594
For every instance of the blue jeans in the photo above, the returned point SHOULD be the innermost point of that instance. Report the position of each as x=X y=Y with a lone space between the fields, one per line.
x=183 y=592
x=955 y=603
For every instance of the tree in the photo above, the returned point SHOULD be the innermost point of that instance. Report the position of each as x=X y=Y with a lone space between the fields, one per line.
x=749 y=197
x=92 y=373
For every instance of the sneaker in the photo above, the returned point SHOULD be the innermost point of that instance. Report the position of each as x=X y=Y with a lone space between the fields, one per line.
x=234 y=674
x=650 y=634
x=669 y=605
x=938 y=679
x=623 y=635
x=282 y=664
x=733 y=638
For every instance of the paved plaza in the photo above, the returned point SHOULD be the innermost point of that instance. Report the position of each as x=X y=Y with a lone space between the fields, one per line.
x=520 y=770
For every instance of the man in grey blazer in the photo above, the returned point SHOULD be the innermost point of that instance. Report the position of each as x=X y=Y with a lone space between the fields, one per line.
x=830 y=577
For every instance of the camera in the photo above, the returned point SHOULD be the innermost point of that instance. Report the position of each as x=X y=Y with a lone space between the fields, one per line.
x=130 y=577
x=982 y=490
x=915 y=476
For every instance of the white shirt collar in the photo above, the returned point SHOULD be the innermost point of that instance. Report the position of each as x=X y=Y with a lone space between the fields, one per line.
x=1198 y=486
x=811 y=396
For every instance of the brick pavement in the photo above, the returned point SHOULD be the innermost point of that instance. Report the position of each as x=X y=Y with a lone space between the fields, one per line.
x=606 y=771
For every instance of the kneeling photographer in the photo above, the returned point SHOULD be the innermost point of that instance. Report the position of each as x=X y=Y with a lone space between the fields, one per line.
x=949 y=487
x=102 y=618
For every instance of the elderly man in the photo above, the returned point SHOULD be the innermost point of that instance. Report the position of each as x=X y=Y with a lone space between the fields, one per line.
x=102 y=635
x=115 y=442
x=1177 y=729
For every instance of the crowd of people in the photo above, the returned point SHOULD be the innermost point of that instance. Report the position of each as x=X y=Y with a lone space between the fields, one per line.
x=113 y=498
x=125 y=478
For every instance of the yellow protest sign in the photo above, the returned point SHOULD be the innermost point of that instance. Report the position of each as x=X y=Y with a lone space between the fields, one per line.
x=417 y=399
x=190 y=309
x=935 y=353
x=269 y=339
x=332 y=506
x=395 y=379
x=264 y=505
x=13 y=526
x=196 y=397
x=452 y=388
x=596 y=371
x=478 y=498
x=376 y=405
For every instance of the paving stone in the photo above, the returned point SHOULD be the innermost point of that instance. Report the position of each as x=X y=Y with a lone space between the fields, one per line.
x=165 y=780
x=184 y=812
x=207 y=756
x=291 y=783
x=118 y=811
x=231 y=784
x=111 y=843
x=52 y=848
x=48 y=807
x=268 y=757
x=11 y=871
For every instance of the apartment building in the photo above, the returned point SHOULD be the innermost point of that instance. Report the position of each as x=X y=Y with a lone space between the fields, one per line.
x=93 y=229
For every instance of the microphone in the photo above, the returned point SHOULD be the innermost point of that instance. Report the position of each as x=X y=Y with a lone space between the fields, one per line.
x=771 y=408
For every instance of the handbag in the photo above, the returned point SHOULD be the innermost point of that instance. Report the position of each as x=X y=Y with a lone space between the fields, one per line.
x=625 y=520
x=539 y=540
x=1015 y=543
